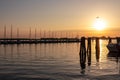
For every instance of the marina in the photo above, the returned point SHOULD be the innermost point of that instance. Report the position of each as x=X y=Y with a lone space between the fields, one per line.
x=56 y=61
x=35 y=41
x=59 y=40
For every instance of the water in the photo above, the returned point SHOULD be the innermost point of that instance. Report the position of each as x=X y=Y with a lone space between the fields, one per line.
x=54 y=62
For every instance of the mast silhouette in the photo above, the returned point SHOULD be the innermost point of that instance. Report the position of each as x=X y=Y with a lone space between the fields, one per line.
x=30 y=33
x=44 y=34
x=11 y=32
x=4 y=31
x=17 y=32
x=40 y=33
x=35 y=33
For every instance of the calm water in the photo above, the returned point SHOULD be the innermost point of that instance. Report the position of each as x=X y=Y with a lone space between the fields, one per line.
x=54 y=62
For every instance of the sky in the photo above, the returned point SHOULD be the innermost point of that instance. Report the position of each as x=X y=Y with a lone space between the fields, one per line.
x=60 y=14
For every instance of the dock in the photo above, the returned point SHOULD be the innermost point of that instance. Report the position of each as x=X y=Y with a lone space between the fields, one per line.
x=35 y=41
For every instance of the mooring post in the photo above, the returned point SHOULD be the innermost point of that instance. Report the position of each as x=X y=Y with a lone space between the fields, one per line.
x=109 y=40
x=118 y=46
x=89 y=51
x=82 y=55
x=97 y=49
x=118 y=40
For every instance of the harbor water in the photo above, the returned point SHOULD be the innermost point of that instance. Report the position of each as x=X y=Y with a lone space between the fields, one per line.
x=55 y=61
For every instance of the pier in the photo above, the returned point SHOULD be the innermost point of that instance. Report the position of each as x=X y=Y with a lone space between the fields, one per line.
x=41 y=40
x=43 y=37
x=85 y=51
x=46 y=40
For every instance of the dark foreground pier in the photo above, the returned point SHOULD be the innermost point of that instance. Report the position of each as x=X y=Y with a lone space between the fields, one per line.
x=85 y=50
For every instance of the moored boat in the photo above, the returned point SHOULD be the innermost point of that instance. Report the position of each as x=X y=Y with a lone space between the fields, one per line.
x=113 y=47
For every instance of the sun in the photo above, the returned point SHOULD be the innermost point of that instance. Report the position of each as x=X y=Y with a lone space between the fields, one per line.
x=99 y=24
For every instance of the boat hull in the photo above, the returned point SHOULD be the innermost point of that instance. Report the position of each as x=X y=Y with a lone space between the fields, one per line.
x=112 y=47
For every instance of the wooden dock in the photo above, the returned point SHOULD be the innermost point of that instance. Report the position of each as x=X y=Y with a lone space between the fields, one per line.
x=35 y=41
x=44 y=40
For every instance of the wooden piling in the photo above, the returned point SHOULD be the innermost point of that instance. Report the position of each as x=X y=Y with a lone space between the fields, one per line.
x=118 y=40
x=97 y=49
x=82 y=53
x=118 y=54
x=109 y=40
x=118 y=46
x=89 y=51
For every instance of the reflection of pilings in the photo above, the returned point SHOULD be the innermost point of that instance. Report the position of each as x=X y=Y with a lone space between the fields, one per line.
x=97 y=49
x=18 y=51
x=118 y=64
x=11 y=51
x=45 y=50
x=30 y=50
x=89 y=51
x=5 y=51
x=36 y=51
x=82 y=53
x=40 y=50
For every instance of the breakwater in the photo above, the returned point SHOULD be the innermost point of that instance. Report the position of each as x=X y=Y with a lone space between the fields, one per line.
x=41 y=40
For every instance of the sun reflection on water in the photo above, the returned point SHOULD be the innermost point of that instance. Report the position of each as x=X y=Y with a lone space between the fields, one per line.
x=103 y=50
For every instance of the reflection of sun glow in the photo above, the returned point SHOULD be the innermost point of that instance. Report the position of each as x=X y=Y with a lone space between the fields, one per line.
x=99 y=24
x=101 y=49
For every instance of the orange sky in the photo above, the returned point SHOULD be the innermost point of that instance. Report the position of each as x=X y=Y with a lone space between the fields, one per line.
x=75 y=15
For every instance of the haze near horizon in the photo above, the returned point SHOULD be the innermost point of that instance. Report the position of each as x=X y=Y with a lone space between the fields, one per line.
x=61 y=15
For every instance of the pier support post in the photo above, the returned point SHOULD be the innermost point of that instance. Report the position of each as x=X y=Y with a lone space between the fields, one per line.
x=109 y=40
x=82 y=55
x=118 y=54
x=89 y=51
x=118 y=46
x=97 y=49
x=118 y=40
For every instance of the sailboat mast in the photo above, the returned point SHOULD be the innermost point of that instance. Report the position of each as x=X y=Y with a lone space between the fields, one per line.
x=4 y=31
x=35 y=33
x=30 y=33
x=11 y=31
x=17 y=32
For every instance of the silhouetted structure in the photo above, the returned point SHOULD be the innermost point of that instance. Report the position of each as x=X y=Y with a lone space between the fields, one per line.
x=82 y=55
x=109 y=40
x=30 y=33
x=41 y=40
x=97 y=49
x=17 y=32
x=11 y=32
x=5 y=31
x=89 y=51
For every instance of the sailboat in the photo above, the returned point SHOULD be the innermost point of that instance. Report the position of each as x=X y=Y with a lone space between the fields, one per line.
x=114 y=47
